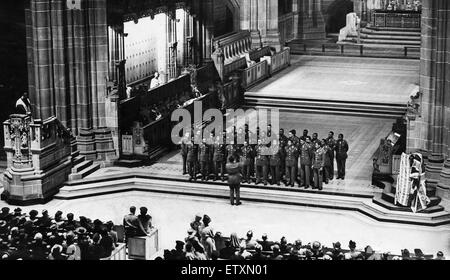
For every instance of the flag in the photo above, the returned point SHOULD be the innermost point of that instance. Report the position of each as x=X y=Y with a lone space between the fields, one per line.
x=73 y=4
x=403 y=182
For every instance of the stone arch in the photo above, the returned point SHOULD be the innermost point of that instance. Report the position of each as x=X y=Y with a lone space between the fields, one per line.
x=336 y=15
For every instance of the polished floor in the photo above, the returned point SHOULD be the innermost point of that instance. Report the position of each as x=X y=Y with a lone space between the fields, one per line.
x=374 y=80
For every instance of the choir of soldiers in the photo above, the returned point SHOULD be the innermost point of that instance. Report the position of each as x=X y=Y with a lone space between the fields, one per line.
x=305 y=161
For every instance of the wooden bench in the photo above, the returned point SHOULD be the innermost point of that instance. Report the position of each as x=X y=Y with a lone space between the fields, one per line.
x=233 y=55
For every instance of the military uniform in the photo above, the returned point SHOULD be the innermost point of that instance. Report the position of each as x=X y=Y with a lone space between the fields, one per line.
x=331 y=144
x=296 y=142
x=341 y=157
x=219 y=160
x=247 y=155
x=275 y=159
x=306 y=155
x=291 y=162
x=282 y=141
x=204 y=158
x=192 y=153
x=318 y=165
x=184 y=140
x=327 y=163
x=262 y=164
x=232 y=151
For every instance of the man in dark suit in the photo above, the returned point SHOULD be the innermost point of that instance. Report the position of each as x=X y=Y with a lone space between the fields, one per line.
x=341 y=155
x=331 y=142
x=204 y=157
x=184 y=141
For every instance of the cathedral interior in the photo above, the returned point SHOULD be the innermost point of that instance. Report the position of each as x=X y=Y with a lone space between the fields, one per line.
x=104 y=77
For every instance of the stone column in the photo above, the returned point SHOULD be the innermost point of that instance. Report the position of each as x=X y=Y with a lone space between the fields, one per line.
x=162 y=21
x=311 y=24
x=430 y=131
x=208 y=31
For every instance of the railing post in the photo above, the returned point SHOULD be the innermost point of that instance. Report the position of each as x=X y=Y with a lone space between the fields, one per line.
x=406 y=51
x=361 y=49
x=342 y=49
x=323 y=48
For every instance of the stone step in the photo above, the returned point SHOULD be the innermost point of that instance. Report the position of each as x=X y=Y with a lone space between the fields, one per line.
x=77 y=160
x=388 y=37
x=391 y=42
x=325 y=106
x=392 y=29
x=75 y=154
x=328 y=112
x=390 y=206
x=390 y=198
x=430 y=191
x=89 y=170
x=85 y=164
x=390 y=32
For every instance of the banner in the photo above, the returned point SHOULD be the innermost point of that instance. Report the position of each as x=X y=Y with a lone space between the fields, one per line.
x=411 y=190
x=403 y=182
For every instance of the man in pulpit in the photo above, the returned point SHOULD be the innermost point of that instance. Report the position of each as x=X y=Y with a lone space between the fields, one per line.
x=156 y=81
x=23 y=104
x=145 y=222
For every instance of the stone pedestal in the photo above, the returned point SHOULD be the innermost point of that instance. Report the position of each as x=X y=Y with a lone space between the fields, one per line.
x=443 y=187
x=39 y=159
x=433 y=170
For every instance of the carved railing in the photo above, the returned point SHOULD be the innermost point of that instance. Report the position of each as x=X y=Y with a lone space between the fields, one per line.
x=399 y=19
x=18 y=141
x=119 y=253
x=254 y=74
x=280 y=60
x=25 y=137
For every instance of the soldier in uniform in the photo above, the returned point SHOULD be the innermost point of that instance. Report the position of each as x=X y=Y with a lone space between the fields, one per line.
x=247 y=156
x=305 y=135
x=306 y=154
x=210 y=143
x=331 y=142
x=262 y=162
x=232 y=151
x=341 y=156
x=184 y=141
x=192 y=150
x=318 y=165
x=296 y=142
x=204 y=158
x=219 y=158
x=327 y=161
x=275 y=157
x=282 y=141
x=291 y=161
x=240 y=138
x=315 y=139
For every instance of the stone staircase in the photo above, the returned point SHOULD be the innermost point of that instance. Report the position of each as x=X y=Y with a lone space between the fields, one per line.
x=387 y=37
x=349 y=108
x=81 y=168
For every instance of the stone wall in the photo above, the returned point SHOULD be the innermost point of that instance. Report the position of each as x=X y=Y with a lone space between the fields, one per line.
x=430 y=131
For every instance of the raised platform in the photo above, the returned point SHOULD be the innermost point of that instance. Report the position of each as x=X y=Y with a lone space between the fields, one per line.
x=145 y=182
x=343 y=80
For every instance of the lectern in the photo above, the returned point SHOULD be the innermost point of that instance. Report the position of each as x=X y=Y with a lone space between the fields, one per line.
x=143 y=247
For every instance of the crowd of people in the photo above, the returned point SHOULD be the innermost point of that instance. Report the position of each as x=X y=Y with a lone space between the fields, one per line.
x=203 y=244
x=35 y=236
x=306 y=161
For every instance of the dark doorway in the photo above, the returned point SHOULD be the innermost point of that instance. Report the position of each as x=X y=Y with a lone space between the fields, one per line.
x=337 y=15
x=13 y=57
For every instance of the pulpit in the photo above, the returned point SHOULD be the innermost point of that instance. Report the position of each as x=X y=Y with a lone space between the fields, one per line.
x=143 y=248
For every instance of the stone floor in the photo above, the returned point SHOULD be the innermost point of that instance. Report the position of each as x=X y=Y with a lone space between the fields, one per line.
x=375 y=80
x=172 y=214
x=363 y=135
